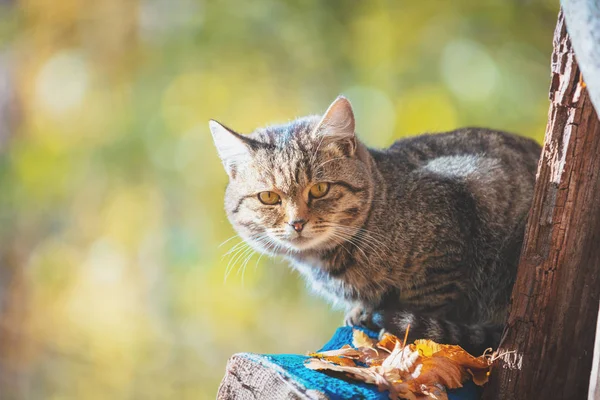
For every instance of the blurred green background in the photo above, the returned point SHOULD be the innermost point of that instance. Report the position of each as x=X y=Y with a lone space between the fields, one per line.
x=111 y=275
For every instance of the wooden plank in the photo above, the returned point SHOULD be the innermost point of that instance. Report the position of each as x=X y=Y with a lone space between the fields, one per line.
x=247 y=377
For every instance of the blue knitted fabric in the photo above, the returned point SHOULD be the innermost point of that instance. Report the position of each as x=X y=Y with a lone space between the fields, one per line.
x=292 y=366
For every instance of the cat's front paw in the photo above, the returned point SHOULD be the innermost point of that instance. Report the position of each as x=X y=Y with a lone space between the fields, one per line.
x=359 y=316
x=352 y=317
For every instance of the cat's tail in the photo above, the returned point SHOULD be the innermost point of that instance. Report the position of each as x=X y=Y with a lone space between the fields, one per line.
x=474 y=338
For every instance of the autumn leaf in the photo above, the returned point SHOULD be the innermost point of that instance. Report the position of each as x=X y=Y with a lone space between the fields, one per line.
x=388 y=342
x=361 y=339
x=373 y=375
x=402 y=358
x=477 y=367
x=342 y=356
x=438 y=369
x=347 y=362
x=423 y=370
x=345 y=351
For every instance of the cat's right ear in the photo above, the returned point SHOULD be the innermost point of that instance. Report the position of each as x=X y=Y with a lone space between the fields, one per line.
x=231 y=146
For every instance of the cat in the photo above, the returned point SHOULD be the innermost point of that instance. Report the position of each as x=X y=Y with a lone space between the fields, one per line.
x=425 y=233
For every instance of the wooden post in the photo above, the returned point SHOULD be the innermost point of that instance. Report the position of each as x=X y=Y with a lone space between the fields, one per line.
x=554 y=308
x=583 y=24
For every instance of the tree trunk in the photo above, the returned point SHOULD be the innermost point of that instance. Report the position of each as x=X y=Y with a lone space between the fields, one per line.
x=554 y=307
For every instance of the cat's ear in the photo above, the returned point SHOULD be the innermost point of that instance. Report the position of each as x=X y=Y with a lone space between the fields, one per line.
x=337 y=126
x=231 y=146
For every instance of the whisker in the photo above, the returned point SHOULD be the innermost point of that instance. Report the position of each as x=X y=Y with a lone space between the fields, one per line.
x=349 y=240
x=234 y=257
x=258 y=261
x=245 y=264
x=227 y=240
x=363 y=232
x=249 y=251
x=234 y=248
x=352 y=235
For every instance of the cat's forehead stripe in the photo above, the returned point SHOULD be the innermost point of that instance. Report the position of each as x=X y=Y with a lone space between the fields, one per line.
x=287 y=161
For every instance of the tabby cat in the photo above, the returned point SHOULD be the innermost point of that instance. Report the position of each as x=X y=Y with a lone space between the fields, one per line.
x=426 y=232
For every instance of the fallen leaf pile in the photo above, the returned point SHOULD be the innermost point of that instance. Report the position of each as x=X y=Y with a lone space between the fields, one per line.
x=422 y=370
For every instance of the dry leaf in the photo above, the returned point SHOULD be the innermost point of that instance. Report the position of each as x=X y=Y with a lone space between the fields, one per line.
x=361 y=339
x=477 y=367
x=339 y=361
x=402 y=358
x=438 y=369
x=423 y=370
x=373 y=375
x=345 y=351
x=388 y=342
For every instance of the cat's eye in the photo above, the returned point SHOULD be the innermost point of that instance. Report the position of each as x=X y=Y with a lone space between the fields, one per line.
x=269 y=198
x=319 y=190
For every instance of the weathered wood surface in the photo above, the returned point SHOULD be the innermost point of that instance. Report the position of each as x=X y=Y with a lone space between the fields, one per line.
x=246 y=378
x=583 y=24
x=554 y=307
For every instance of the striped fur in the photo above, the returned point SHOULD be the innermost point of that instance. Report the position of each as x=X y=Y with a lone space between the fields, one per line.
x=475 y=338
x=426 y=232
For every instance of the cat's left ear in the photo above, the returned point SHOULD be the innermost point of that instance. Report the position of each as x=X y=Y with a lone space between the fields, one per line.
x=337 y=127
x=231 y=146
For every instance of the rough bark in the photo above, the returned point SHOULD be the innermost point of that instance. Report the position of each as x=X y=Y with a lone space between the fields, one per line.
x=583 y=25
x=554 y=308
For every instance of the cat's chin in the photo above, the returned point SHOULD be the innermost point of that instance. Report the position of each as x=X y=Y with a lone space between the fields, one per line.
x=292 y=245
x=301 y=244
x=286 y=247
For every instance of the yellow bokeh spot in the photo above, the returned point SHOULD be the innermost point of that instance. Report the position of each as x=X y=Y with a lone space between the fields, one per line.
x=426 y=109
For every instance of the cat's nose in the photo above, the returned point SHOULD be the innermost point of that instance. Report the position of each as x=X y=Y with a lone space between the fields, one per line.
x=298 y=224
